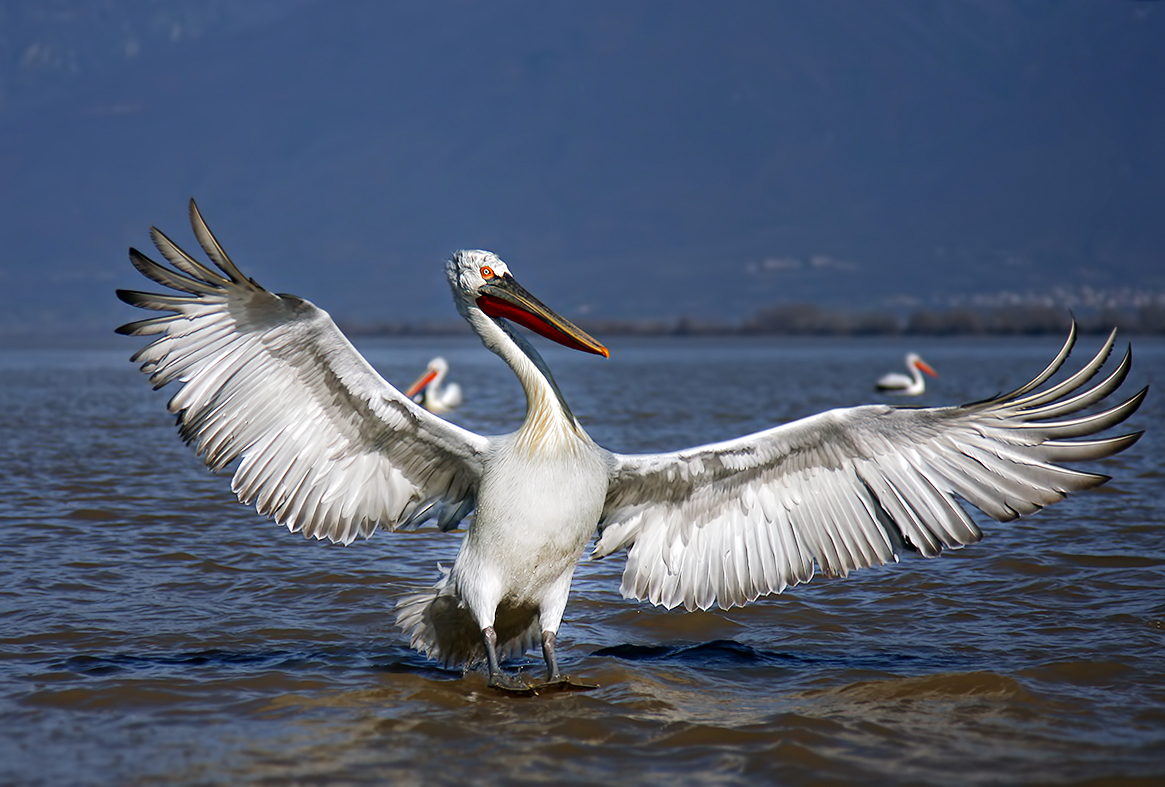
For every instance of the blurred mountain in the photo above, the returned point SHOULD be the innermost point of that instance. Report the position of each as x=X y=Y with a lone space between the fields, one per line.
x=628 y=159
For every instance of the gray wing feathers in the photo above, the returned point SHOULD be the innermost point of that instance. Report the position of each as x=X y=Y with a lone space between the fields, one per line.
x=725 y=523
x=325 y=445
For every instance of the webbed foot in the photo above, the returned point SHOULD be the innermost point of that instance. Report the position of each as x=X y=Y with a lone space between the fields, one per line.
x=562 y=683
x=510 y=686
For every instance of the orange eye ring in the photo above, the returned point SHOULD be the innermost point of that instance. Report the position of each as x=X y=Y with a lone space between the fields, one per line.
x=487 y=272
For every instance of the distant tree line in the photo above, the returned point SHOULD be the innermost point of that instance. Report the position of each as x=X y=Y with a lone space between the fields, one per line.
x=799 y=319
x=807 y=319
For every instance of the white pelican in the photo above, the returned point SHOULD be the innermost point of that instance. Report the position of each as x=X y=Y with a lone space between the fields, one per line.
x=427 y=391
x=328 y=448
x=914 y=385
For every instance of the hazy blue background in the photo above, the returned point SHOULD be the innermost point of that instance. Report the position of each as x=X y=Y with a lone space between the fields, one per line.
x=629 y=159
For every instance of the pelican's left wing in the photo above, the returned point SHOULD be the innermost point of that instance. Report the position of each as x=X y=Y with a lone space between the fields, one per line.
x=725 y=523
x=326 y=445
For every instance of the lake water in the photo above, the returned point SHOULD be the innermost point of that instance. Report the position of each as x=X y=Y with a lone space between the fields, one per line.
x=153 y=630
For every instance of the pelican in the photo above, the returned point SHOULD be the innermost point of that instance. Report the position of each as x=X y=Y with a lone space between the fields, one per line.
x=328 y=448
x=428 y=388
x=914 y=385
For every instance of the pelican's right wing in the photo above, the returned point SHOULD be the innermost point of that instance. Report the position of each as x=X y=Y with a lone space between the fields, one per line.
x=326 y=445
x=725 y=523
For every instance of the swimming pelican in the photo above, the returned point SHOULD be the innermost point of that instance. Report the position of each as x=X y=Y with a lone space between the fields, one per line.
x=433 y=397
x=328 y=448
x=914 y=385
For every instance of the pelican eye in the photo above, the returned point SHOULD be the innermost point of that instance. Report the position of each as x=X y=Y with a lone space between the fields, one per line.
x=487 y=272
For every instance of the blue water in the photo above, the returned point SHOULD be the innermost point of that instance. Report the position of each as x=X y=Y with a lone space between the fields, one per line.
x=153 y=630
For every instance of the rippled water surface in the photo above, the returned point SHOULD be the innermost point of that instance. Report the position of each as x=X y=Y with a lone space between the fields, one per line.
x=152 y=630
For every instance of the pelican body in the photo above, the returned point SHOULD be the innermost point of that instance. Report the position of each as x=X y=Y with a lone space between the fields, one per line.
x=914 y=385
x=323 y=444
x=428 y=389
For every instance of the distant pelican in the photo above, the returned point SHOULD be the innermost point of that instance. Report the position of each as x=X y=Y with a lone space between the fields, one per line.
x=914 y=385
x=433 y=397
x=327 y=447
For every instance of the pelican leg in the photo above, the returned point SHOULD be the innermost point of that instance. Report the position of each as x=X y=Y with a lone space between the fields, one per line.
x=498 y=679
x=555 y=680
x=549 y=639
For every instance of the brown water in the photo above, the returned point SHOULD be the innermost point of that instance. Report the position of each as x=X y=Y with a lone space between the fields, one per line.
x=154 y=631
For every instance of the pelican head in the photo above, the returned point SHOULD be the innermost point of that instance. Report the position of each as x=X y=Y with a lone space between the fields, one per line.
x=433 y=375
x=914 y=361
x=483 y=285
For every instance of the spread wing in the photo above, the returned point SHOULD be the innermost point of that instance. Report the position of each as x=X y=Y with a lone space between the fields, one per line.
x=326 y=445
x=725 y=523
